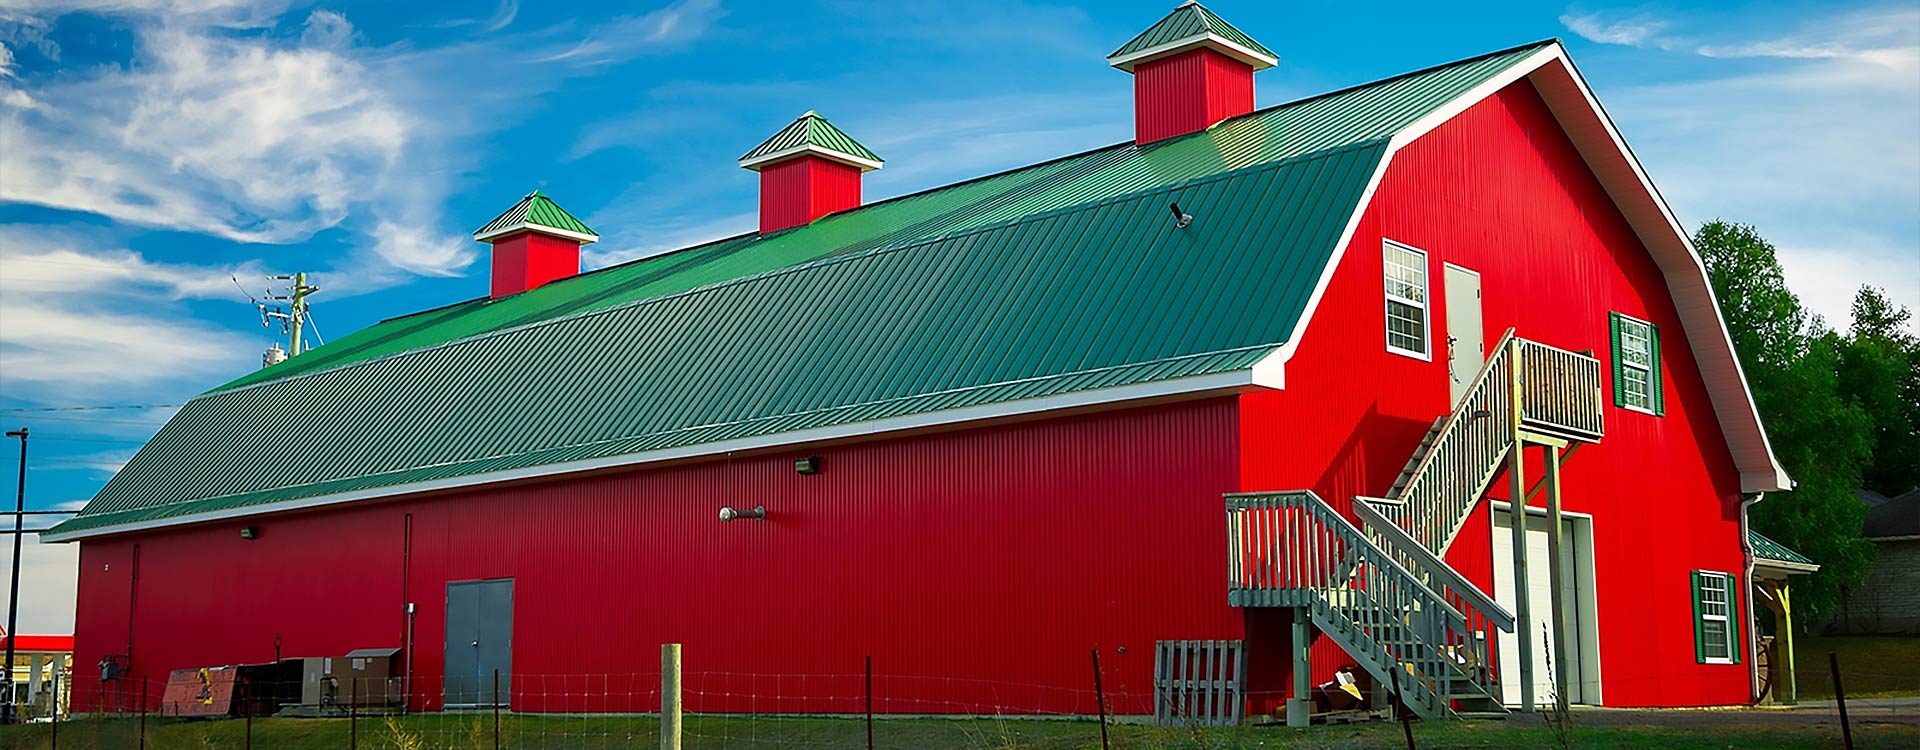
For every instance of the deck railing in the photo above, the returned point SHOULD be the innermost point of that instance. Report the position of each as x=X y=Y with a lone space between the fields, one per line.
x=1292 y=549
x=1483 y=616
x=1560 y=391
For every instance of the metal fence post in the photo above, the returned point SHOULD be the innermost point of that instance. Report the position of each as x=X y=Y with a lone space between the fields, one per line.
x=669 y=696
x=869 y=703
x=247 y=688
x=353 y=713
x=1840 y=697
x=496 y=709
x=1100 y=699
x=143 y=713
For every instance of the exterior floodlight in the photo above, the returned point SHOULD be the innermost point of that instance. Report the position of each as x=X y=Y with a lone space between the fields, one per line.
x=759 y=513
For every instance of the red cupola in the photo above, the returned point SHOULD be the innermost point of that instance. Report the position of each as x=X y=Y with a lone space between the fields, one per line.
x=807 y=170
x=1190 y=70
x=534 y=243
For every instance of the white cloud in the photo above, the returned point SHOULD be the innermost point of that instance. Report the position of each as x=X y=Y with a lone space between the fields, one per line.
x=238 y=137
x=1813 y=137
x=621 y=38
x=76 y=318
x=49 y=582
x=1628 y=31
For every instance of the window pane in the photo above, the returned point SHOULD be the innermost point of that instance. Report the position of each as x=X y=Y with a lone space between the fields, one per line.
x=1634 y=388
x=1715 y=633
x=1406 y=327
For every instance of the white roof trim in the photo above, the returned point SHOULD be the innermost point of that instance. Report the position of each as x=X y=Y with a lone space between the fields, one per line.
x=1263 y=374
x=581 y=237
x=1606 y=153
x=1258 y=60
x=756 y=163
x=1761 y=564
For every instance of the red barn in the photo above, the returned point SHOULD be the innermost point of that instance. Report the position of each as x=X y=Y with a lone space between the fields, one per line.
x=1269 y=376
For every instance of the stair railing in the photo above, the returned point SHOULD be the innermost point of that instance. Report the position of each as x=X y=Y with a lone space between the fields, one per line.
x=1292 y=549
x=1464 y=456
x=1483 y=616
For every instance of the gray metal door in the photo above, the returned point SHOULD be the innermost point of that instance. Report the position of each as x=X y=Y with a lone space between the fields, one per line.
x=1466 y=339
x=479 y=641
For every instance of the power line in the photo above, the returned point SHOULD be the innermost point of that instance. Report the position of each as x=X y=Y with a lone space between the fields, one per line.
x=102 y=407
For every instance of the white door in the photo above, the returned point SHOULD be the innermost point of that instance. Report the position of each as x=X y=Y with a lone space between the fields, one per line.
x=1466 y=339
x=1540 y=597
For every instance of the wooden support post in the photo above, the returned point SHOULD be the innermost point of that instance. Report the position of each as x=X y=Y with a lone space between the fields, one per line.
x=1557 y=573
x=669 y=696
x=1517 y=478
x=1788 y=691
x=1300 y=706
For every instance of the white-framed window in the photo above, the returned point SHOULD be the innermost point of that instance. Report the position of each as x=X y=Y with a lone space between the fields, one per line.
x=1636 y=365
x=1405 y=271
x=1716 y=640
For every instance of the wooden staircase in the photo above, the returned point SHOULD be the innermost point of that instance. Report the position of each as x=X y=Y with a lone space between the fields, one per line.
x=1378 y=585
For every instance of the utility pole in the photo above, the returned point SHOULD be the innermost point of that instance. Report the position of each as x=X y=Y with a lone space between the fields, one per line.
x=296 y=297
x=293 y=321
x=13 y=592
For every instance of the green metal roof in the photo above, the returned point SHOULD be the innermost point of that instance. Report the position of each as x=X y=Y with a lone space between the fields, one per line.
x=809 y=129
x=534 y=211
x=1768 y=549
x=1189 y=21
x=1059 y=277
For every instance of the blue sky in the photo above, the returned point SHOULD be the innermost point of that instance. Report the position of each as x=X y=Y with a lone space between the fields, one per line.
x=150 y=150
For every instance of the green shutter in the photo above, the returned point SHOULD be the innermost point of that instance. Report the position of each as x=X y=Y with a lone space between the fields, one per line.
x=1733 y=616
x=1619 y=386
x=1656 y=390
x=1699 y=624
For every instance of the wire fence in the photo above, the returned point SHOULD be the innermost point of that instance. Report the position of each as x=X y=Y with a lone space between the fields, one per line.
x=208 y=709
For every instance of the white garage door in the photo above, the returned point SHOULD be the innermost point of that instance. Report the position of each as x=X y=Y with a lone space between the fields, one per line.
x=1540 y=596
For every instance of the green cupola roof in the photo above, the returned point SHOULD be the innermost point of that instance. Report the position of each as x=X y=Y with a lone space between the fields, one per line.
x=1188 y=27
x=811 y=134
x=537 y=213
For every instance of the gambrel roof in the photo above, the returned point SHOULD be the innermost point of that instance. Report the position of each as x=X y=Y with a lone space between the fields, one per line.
x=1060 y=285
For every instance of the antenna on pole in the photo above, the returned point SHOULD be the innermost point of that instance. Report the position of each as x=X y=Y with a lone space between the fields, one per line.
x=293 y=319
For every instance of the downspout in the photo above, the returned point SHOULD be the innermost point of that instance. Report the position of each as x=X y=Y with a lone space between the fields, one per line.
x=1746 y=589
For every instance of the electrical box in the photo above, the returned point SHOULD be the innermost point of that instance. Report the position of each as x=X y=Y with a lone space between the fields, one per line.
x=364 y=678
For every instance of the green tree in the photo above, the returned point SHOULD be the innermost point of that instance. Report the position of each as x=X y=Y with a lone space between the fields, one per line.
x=1880 y=372
x=1792 y=362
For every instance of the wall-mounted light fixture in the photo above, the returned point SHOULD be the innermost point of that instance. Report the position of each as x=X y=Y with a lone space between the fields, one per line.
x=1180 y=218
x=808 y=465
x=249 y=532
x=759 y=513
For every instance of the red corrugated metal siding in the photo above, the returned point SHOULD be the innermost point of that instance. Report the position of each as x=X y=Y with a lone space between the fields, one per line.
x=528 y=261
x=1187 y=93
x=1500 y=190
x=977 y=568
x=796 y=192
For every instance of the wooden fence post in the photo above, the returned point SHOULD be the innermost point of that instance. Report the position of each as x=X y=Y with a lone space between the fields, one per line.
x=669 y=696
x=869 y=703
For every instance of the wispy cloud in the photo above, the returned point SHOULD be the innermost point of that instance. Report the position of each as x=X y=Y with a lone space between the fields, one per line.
x=680 y=23
x=76 y=317
x=1814 y=136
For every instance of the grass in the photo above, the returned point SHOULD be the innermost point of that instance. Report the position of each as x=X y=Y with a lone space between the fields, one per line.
x=1870 y=666
x=475 y=732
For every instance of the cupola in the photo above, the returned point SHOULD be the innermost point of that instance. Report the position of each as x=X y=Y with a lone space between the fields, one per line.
x=1190 y=70
x=534 y=243
x=807 y=170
